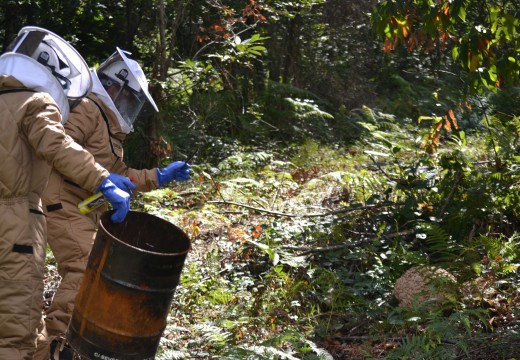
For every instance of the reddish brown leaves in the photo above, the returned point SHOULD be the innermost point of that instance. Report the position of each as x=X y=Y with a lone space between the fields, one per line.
x=224 y=28
x=412 y=34
x=448 y=122
x=257 y=231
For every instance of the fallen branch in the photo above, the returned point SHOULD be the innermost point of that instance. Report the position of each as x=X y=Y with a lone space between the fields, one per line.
x=381 y=339
x=310 y=250
x=454 y=186
x=277 y=213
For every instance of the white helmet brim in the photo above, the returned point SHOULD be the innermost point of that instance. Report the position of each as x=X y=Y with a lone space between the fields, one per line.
x=138 y=74
x=68 y=63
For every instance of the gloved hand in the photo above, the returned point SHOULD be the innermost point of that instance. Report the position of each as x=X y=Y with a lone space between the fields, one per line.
x=119 y=199
x=178 y=170
x=122 y=182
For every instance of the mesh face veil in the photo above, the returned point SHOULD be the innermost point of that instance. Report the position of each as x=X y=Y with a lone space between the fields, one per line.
x=125 y=83
x=58 y=56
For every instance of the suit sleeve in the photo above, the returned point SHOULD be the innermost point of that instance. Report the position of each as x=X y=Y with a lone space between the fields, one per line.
x=47 y=137
x=144 y=180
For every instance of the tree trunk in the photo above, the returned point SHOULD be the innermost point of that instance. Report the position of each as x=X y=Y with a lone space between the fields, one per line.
x=160 y=70
x=292 y=54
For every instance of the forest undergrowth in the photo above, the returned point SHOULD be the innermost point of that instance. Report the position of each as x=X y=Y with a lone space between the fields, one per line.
x=295 y=252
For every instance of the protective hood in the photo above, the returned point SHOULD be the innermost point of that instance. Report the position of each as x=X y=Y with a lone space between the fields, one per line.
x=138 y=74
x=125 y=83
x=99 y=90
x=35 y=76
x=58 y=57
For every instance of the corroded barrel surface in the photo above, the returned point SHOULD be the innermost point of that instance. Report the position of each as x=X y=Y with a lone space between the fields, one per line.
x=128 y=286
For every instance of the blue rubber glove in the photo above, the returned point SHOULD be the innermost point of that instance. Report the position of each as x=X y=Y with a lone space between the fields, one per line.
x=119 y=199
x=122 y=182
x=178 y=170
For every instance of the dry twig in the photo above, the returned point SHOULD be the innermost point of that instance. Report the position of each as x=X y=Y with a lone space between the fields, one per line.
x=277 y=213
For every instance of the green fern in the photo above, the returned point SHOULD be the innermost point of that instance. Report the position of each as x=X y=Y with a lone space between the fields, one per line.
x=306 y=109
x=220 y=296
x=516 y=123
x=213 y=334
x=258 y=353
x=172 y=355
x=501 y=253
x=439 y=243
x=301 y=344
x=413 y=347
x=369 y=114
x=289 y=345
x=503 y=133
x=316 y=114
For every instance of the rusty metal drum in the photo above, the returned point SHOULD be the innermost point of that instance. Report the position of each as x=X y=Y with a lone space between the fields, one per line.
x=127 y=290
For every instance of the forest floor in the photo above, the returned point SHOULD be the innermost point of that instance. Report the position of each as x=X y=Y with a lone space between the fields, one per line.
x=282 y=266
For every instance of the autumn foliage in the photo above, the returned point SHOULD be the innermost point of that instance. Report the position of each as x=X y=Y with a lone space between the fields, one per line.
x=484 y=45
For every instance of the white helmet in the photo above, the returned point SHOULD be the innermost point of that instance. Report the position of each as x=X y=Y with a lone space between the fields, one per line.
x=125 y=83
x=58 y=56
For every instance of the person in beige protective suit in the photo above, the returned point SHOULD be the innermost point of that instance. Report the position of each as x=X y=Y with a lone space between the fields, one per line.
x=39 y=74
x=100 y=123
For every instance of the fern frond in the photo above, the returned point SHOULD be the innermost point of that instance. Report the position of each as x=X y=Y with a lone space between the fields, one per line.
x=172 y=355
x=272 y=352
x=213 y=334
x=496 y=176
x=369 y=114
x=306 y=109
x=321 y=353
x=257 y=352
x=412 y=347
x=389 y=126
x=316 y=113
x=440 y=243
x=289 y=345
x=516 y=124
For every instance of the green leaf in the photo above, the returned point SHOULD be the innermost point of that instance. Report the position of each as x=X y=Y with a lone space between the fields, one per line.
x=462 y=13
x=435 y=119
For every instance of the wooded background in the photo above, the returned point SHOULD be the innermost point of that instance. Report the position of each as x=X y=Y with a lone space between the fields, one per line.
x=227 y=59
x=343 y=142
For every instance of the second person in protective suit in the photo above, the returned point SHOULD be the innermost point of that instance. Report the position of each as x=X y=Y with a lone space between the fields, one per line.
x=100 y=123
